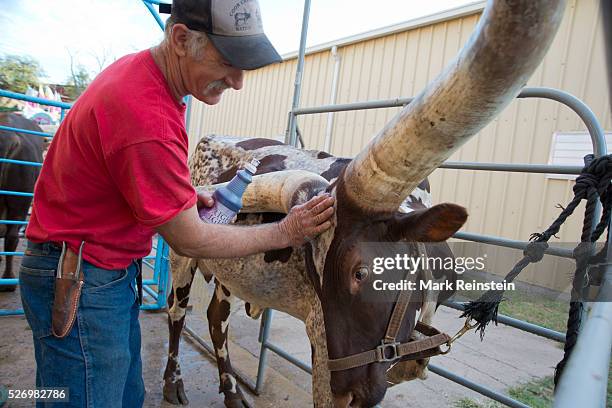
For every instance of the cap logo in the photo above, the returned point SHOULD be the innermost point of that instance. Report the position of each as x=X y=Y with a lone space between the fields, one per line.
x=240 y=20
x=237 y=18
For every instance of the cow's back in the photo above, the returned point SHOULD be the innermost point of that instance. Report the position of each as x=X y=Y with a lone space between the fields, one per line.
x=217 y=158
x=20 y=146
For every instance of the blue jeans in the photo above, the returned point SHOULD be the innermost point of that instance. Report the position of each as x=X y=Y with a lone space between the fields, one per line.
x=99 y=360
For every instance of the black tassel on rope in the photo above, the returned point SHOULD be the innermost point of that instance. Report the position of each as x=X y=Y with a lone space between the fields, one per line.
x=484 y=310
x=597 y=172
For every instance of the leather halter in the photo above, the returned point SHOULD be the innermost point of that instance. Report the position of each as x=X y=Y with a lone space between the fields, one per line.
x=391 y=350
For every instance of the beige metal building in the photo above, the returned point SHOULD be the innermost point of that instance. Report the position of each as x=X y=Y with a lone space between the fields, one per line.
x=398 y=61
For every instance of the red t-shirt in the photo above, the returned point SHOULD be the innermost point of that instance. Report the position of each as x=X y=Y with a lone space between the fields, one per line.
x=117 y=166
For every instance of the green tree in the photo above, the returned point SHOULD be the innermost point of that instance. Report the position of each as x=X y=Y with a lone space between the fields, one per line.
x=17 y=72
x=78 y=80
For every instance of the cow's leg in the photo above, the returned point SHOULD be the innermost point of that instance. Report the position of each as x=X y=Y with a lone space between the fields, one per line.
x=183 y=270
x=11 y=240
x=315 y=328
x=219 y=311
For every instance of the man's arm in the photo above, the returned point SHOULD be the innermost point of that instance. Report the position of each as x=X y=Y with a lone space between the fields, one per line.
x=190 y=236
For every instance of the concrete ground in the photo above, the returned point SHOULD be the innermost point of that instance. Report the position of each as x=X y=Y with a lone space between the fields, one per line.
x=505 y=358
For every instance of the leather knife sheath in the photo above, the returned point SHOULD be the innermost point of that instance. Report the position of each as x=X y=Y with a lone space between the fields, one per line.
x=68 y=285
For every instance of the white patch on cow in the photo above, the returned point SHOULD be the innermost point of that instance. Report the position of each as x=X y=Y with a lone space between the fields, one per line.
x=421 y=198
x=222 y=352
x=176 y=374
x=228 y=377
x=421 y=195
x=219 y=294
x=424 y=195
x=297 y=158
x=181 y=277
x=224 y=324
x=176 y=312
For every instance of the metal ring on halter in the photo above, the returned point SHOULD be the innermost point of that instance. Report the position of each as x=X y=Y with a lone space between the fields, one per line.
x=449 y=344
x=466 y=328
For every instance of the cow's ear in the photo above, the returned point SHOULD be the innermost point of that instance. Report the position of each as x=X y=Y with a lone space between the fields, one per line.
x=434 y=224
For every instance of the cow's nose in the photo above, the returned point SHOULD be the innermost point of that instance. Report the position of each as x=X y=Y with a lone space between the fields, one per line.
x=344 y=401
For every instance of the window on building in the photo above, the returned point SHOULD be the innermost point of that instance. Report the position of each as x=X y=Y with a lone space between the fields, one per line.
x=569 y=149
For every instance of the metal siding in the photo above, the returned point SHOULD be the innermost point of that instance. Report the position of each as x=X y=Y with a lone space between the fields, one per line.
x=400 y=65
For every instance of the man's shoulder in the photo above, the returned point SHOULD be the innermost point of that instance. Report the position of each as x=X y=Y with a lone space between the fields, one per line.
x=131 y=104
x=128 y=78
x=132 y=90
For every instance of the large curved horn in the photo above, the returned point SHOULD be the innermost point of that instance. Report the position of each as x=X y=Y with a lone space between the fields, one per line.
x=278 y=191
x=508 y=44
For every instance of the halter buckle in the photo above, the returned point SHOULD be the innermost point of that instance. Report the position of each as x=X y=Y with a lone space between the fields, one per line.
x=381 y=352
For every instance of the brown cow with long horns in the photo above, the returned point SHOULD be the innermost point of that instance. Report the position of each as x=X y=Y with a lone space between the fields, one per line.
x=378 y=199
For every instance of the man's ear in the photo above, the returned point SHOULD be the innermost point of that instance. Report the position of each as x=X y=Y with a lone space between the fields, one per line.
x=434 y=224
x=178 y=39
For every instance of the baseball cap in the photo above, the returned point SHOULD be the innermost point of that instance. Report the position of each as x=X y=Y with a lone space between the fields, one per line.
x=233 y=26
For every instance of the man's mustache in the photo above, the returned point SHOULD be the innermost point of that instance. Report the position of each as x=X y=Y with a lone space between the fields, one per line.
x=218 y=85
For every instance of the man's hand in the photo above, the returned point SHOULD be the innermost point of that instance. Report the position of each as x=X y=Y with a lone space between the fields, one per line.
x=205 y=199
x=308 y=220
x=189 y=237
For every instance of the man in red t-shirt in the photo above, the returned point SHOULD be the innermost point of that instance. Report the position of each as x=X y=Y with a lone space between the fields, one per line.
x=115 y=174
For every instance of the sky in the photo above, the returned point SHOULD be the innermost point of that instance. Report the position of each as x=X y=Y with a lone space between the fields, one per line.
x=96 y=32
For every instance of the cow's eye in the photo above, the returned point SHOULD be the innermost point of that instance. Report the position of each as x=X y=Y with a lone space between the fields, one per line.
x=361 y=273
